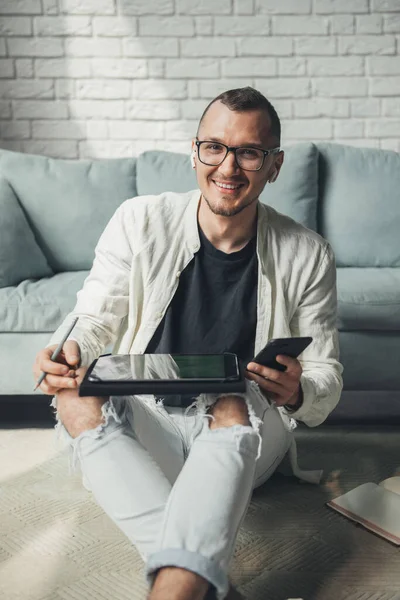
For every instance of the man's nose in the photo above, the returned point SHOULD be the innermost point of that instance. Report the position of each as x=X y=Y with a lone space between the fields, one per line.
x=229 y=166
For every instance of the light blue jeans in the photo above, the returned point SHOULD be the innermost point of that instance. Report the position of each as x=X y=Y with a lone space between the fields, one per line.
x=176 y=488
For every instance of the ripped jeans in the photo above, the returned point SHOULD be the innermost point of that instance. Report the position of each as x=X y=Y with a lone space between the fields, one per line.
x=176 y=488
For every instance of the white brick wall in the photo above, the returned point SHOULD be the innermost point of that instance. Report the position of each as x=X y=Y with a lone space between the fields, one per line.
x=108 y=78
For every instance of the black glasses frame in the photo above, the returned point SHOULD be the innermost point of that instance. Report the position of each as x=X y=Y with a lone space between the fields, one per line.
x=234 y=150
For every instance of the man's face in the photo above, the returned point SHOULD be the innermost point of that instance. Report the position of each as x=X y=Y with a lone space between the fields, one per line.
x=250 y=128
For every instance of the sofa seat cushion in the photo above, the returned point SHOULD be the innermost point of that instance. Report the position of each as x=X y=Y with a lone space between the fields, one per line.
x=368 y=299
x=294 y=193
x=41 y=305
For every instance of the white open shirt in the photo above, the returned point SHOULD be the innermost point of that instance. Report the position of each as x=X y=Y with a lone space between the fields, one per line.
x=148 y=243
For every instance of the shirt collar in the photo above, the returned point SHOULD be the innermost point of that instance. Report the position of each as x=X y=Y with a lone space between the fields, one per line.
x=192 y=232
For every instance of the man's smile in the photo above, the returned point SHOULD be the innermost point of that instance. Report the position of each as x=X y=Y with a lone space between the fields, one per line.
x=229 y=187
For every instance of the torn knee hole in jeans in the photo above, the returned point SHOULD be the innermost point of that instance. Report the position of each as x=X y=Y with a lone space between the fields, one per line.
x=108 y=411
x=205 y=401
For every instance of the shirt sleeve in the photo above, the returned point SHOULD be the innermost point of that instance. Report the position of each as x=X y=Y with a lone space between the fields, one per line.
x=102 y=304
x=315 y=316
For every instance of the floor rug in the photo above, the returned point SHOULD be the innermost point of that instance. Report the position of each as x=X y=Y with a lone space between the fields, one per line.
x=57 y=544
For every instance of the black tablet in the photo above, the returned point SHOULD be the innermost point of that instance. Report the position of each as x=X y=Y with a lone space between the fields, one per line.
x=163 y=374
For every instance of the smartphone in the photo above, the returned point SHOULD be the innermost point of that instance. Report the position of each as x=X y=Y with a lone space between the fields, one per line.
x=293 y=347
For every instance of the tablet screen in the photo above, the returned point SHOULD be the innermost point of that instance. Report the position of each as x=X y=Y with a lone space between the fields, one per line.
x=145 y=367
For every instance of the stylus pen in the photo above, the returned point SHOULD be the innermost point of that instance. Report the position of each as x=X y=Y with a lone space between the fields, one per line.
x=57 y=351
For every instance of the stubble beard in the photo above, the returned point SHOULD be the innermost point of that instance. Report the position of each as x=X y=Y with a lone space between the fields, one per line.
x=228 y=212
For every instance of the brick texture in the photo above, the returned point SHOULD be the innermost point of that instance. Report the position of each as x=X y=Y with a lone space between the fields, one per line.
x=109 y=78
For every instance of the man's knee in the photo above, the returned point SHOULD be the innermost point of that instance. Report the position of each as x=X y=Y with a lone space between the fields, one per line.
x=229 y=410
x=79 y=414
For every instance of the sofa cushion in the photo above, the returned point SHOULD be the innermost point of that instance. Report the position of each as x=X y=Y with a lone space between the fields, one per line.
x=294 y=193
x=368 y=299
x=37 y=306
x=360 y=205
x=158 y=171
x=68 y=203
x=20 y=255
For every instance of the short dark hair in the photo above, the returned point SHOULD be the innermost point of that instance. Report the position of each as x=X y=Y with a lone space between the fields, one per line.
x=247 y=98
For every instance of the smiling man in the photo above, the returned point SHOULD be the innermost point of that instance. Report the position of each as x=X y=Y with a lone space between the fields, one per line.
x=242 y=149
x=209 y=271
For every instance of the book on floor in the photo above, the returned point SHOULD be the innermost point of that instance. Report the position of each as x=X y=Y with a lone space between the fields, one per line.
x=375 y=507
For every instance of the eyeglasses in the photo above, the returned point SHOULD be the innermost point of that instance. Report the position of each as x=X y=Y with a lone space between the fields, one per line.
x=247 y=158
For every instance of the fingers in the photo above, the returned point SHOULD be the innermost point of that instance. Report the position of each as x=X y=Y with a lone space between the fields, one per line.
x=292 y=364
x=59 y=374
x=272 y=391
x=293 y=369
x=41 y=357
x=72 y=353
x=80 y=374
x=272 y=374
x=280 y=389
x=53 y=384
x=266 y=384
x=60 y=382
x=43 y=363
x=55 y=368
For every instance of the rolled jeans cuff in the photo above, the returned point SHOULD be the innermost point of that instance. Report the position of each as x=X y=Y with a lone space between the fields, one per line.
x=191 y=561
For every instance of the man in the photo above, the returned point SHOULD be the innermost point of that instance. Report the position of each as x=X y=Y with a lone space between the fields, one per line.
x=208 y=271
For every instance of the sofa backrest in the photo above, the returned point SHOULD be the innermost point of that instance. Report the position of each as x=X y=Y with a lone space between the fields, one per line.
x=295 y=192
x=351 y=196
x=359 y=205
x=68 y=203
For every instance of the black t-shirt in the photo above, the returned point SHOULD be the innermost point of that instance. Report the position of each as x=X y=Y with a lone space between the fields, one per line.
x=214 y=308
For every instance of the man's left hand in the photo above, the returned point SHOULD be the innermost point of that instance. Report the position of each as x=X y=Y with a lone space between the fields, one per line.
x=283 y=387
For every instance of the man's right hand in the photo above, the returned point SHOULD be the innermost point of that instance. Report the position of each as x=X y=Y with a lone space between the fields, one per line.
x=61 y=373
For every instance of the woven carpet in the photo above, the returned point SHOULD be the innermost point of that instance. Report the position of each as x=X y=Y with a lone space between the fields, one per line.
x=57 y=544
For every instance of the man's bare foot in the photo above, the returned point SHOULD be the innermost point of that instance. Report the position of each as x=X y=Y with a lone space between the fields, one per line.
x=179 y=584
x=186 y=585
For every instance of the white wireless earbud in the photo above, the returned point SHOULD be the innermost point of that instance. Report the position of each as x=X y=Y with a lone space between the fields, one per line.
x=192 y=161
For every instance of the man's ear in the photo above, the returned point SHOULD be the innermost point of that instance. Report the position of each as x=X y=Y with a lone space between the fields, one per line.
x=278 y=165
x=273 y=177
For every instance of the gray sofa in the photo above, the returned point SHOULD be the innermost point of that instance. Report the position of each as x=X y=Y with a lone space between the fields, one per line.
x=53 y=211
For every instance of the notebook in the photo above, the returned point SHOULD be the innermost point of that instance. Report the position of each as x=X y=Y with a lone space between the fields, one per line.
x=375 y=507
